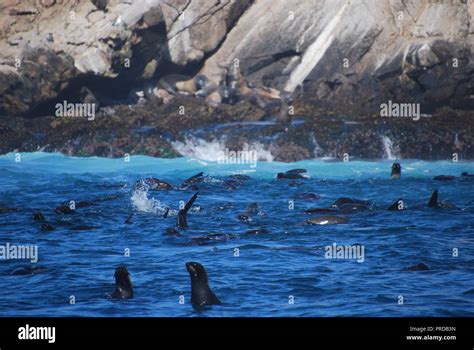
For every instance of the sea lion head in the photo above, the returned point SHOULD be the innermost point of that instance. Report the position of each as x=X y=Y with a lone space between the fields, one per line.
x=280 y=176
x=200 y=80
x=286 y=96
x=396 y=168
x=122 y=280
x=196 y=272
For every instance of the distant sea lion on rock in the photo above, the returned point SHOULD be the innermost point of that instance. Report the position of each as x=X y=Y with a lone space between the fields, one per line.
x=168 y=82
x=284 y=116
x=192 y=181
x=27 y=270
x=188 y=86
x=101 y=5
x=163 y=95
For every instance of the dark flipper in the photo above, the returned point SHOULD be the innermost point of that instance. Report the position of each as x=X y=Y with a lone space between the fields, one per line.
x=190 y=203
x=398 y=205
x=182 y=221
x=433 y=203
x=165 y=215
x=319 y=210
x=129 y=219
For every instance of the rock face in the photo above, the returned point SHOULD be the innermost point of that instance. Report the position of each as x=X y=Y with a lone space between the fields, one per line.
x=339 y=58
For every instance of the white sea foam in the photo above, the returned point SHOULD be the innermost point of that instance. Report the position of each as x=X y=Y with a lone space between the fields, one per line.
x=212 y=151
x=141 y=201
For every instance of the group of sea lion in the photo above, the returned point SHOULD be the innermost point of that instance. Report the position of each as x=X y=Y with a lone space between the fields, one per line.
x=234 y=87
x=201 y=294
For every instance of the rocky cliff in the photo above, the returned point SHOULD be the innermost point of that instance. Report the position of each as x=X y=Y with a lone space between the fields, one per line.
x=340 y=59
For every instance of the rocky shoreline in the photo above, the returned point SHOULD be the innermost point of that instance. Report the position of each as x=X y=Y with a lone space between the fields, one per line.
x=341 y=65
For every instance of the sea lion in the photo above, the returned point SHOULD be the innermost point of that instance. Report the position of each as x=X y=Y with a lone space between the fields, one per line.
x=396 y=171
x=87 y=96
x=153 y=184
x=214 y=99
x=258 y=231
x=38 y=216
x=192 y=181
x=293 y=174
x=168 y=82
x=64 y=209
x=397 y=205
x=344 y=200
x=47 y=227
x=129 y=219
x=417 y=267
x=27 y=270
x=83 y=228
x=4 y=209
x=350 y=208
x=326 y=220
x=171 y=231
x=308 y=196
x=187 y=86
x=123 y=285
x=201 y=293
x=163 y=95
x=215 y=237
x=101 y=5
x=283 y=116
x=320 y=210
x=433 y=202
x=444 y=178
x=181 y=221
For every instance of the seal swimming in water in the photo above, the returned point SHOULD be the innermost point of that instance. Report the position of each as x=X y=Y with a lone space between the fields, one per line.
x=344 y=200
x=153 y=184
x=27 y=270
x=293 y=174
x=38 y=216
x=123 y=285
x=433 y=202
x=182 y=221
x=201 y=293
x=417 y=267
x=396 y=171
x=444 y=178
x=192 y=181
x=326 y=220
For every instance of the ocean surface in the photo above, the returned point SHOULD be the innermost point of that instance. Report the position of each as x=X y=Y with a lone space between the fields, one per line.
x=282 y=271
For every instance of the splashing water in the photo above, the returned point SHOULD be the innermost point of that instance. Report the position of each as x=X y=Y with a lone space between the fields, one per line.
x=213 y=151
x=388 y=148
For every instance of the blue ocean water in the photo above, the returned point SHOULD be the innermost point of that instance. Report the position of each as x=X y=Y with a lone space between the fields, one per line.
x=282 y=272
